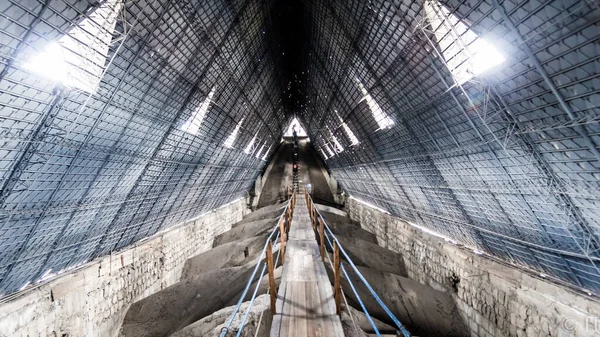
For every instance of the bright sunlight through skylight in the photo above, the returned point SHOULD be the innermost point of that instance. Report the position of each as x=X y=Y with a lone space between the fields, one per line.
x=466 y=54
x=231 y=139
x=250 y=147
x=381 y=118
x=264 y=157
x=299 y=130
x=77 y=60
x=347 y=130
x=192 y=125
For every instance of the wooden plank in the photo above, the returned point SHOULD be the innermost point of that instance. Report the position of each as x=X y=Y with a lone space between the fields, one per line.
x=285 y=319
x=299 y=310
x=310 y=305
x=289 y=312
x=306 y=305
x=276 y=324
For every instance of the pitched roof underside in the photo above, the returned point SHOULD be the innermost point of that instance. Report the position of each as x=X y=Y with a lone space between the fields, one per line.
x=506 y=162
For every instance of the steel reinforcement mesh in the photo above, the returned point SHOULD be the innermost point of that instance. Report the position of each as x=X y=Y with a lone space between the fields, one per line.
x=171 y=105
x=84 y=174
x=506 y=163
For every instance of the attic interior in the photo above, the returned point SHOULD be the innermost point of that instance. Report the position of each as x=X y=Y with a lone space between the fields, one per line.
x=469 y=122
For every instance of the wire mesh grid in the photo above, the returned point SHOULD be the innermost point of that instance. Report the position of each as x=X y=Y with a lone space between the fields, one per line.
x=84 y=174
x=506 y=163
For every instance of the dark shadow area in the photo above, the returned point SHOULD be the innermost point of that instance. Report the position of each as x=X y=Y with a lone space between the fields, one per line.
x=289 y=23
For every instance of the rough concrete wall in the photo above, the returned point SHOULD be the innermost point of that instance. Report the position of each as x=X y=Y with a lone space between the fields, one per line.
x=276 y=178
x=495 y=299
x=318 y=163
x=262 y=179
x=333 y=186
x=93 y=300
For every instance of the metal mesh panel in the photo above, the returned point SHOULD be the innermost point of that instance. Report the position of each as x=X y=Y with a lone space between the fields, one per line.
x=85 y=174
x=506 y=163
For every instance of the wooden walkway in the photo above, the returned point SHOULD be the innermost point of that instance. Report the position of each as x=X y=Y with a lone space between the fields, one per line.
x=305 y=305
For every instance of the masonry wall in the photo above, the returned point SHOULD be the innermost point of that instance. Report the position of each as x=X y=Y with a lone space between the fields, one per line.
x=495 y=299
x=92 y=301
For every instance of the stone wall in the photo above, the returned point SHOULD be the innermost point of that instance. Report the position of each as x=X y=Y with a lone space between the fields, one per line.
x=494 y=298
x=92 y=301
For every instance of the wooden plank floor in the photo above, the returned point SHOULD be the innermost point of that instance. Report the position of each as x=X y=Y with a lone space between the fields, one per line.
x=305 y=305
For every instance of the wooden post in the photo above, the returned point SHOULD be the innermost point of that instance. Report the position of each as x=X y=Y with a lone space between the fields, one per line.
x=271 y=270
x=322 y=239
x=292 y=206
x=336 y=272
x=282 y=238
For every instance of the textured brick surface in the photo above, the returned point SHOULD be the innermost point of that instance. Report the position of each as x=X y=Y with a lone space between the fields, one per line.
x=93 y=300
x=495 y=299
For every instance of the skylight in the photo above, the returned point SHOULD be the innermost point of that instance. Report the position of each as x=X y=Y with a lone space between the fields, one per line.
x=78 y=58
x=466 y=54
x=250 y=147
x=348 y=131
x=331 y=153
x=324 y=154
x=192 y=125
x=381 y=118
x=350 y=134
x=337 y=146
x=229 y=141
x=299 y=130
x=257 y=155
x=266 y=153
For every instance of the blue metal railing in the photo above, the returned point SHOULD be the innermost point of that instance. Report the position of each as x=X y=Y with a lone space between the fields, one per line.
x=275 y=232
x=329 y=237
